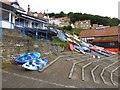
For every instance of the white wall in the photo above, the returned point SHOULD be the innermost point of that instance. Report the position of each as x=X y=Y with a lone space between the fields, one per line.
x=6 y=24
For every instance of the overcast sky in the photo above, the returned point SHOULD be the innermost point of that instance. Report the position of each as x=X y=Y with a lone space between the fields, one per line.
x=96 y=7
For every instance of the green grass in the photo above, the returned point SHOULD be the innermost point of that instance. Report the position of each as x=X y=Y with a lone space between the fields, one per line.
x=75 y=31
x=60 y=43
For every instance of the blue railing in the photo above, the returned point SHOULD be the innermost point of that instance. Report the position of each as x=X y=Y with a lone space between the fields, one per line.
x=27 y=30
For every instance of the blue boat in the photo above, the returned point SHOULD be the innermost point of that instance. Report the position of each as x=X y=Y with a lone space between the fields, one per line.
x=79 y=48
x=27 y=57
x=86 y=49
x=37 y=64
x=102 y=53
x=61 y=36
x=83 y=44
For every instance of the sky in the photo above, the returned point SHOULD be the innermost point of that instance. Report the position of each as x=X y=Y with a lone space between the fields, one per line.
x=95 y=7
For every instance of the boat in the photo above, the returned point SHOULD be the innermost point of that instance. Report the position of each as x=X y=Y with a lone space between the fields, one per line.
x=106 y=51
x=61 y=36
x=86 y=49
x=83 y=44
x=98 y=47
x=68 y=35
x=79 y=49
x=93 y=48
x=71 y=47
x=76 y=38
x=27 y=57
x=36 y=64
x=72 y=41
x=102 y=53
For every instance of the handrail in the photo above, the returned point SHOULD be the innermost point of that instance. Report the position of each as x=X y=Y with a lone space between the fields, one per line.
x=21 y=25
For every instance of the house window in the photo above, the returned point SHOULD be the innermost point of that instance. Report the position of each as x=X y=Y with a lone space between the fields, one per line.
x=21 y=21
x=33 y=24
x=5 y=15
x=87 y=25
x=36 y=24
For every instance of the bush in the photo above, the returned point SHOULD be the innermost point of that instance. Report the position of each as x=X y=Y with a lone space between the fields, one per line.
x=67 y=28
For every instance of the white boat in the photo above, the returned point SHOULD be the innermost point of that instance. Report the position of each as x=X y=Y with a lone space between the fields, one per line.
x=37 y=64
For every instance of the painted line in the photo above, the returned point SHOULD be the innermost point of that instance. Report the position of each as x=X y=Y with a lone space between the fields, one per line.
x=111 y=76
x=83 y=70
x=72 y=70
x=40 y=80
x=53 y=62
x=73 y=58
x=104 y=71
x=83 y=67
x=92 y=72
x=73 y=67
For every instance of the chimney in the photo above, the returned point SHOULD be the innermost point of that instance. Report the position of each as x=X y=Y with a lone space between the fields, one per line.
x=28 y=9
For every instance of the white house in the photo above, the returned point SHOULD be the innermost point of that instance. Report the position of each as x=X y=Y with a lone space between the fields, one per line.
x=13 y=16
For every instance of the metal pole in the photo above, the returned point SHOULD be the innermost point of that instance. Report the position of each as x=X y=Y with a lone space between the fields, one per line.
x=46 y=36
x=23 y=32
x=36 y=35
x=52 y=42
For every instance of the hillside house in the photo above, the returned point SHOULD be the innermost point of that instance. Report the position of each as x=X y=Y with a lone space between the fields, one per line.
x=61 y=22
x=85 y=24
x=99 y=27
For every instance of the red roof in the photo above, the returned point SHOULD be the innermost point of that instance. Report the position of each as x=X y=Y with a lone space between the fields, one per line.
x=111 y=31
x=9 y=3
x=6 y=2
x=40 y=15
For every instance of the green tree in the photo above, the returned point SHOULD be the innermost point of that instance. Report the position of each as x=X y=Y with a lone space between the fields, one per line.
x=95 y=19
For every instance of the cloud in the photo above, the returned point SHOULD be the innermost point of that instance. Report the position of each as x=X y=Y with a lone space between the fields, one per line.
x=95 y=7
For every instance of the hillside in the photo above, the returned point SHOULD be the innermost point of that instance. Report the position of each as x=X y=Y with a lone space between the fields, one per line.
x=95 y=19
